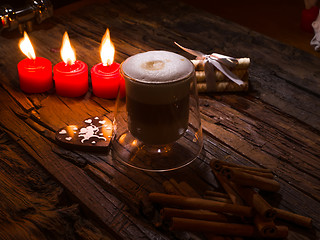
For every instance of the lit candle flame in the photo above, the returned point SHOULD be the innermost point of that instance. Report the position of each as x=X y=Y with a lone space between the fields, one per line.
x=67 y=52
x=26 y=47
x=107 y=49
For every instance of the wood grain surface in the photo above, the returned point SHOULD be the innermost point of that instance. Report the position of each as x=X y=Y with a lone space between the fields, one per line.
x=275 y=125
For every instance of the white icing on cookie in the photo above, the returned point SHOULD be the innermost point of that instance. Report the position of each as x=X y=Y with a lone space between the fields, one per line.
x=88 y=121
x=89 y=132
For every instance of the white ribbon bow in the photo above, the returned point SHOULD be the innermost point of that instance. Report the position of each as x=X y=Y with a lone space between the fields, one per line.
x=315 y=41
x=221 y=62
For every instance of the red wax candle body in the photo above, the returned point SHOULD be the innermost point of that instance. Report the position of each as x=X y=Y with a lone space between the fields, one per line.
x=308 y=16
x=35 y=75
x=71 y=80
x=107 y=81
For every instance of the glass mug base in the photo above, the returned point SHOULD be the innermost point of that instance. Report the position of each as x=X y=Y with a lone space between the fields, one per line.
x=157 y=158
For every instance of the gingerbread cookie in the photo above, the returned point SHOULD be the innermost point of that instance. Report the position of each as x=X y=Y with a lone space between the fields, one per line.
x=96 y=133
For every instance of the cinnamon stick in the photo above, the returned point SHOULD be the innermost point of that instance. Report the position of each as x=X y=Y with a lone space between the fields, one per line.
x=295 y=218
x=176 y=185
x=168 y=213
x=200 y=76
x=219 y=76
x=282 y=232
x=223 y=229
x=218 y=164
x=234 y=196
x=243 y=63
x=251 y=197
x=184 y=188
x=254 y=199
x=265 y=228
x=219 y=199
x=198 y=203
x=249 y=180
x=240 y=73
x=226 y=86
x=189 y=191
x=210 y=236
x=226 y=170
x=198 y=64
x=169 y=188
x=216 y=194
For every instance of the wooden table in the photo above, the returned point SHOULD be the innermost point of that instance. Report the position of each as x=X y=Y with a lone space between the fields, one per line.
x=275 y=125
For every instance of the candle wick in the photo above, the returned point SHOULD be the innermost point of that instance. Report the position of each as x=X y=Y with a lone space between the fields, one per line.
x=29 y=55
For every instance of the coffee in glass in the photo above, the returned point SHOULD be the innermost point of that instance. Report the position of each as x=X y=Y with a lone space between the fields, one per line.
x=157 y=90
x=158 y=128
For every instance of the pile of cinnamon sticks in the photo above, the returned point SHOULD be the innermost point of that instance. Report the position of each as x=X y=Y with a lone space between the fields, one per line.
x=238 y=212
x=221 y=83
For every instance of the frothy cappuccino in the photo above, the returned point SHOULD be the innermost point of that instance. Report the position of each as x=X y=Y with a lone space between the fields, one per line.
x=157 y=90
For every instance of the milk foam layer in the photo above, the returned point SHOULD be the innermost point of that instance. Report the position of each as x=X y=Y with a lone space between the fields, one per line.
x=157 y=77
x=157 y=67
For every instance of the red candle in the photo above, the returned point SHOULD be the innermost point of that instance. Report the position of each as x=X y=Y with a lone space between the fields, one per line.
x=308 y=16
x=105 y=76
x=105 y=80
x=70 y=75
x=35 y=73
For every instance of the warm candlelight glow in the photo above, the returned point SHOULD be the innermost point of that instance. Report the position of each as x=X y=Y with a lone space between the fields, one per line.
x=107 y=49
x=26 y=47
x=67 y=52
x=71 y=130
x=122 y=138
x=107 y=128
x=134 y=142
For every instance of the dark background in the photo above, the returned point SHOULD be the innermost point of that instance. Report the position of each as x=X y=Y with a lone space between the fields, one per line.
x=277 y=19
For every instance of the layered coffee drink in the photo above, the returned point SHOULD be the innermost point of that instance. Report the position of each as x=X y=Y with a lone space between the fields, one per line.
x=157 y=90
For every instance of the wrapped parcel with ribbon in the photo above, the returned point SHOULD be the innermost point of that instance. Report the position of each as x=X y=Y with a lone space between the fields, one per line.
x=220 y=73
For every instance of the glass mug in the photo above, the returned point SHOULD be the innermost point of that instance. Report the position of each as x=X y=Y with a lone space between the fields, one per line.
x=158 y=128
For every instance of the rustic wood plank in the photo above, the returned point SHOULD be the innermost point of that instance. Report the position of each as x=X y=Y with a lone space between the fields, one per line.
x=104 y=206
x=260 y=134
x=253 y=129
x=21 y=99
x=33 y=204
x=306 y=136
x=307 y=183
